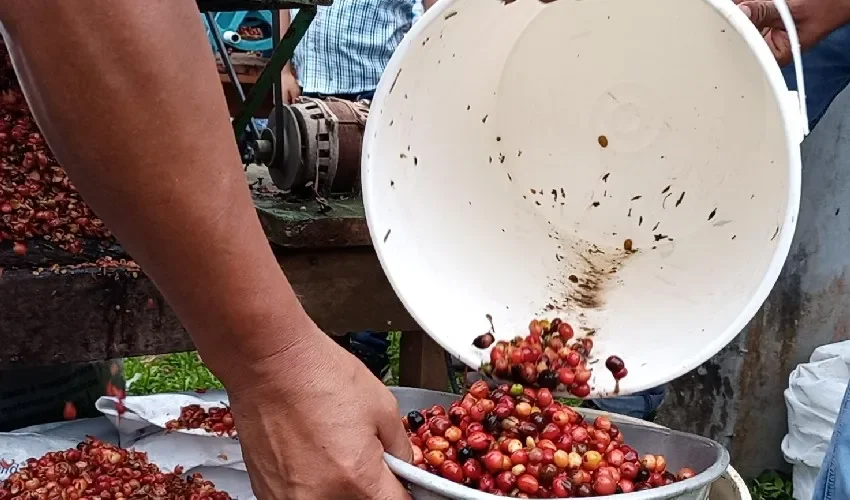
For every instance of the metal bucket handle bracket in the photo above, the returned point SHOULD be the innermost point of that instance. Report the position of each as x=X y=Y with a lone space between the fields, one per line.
x=791 y=29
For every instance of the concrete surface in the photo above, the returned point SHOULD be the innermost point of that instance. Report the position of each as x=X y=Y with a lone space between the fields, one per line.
x=736 y=397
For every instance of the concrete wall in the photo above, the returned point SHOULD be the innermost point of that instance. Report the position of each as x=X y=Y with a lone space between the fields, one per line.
x=737 y=397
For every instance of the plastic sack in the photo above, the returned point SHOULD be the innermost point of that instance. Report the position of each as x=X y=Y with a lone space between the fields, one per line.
x=142 y=427
x=813 y=399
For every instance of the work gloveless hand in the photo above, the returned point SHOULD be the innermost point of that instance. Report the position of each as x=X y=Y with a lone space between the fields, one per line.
x=313 y=421
x=815 y=19
x=291 y=89
x=315 y=425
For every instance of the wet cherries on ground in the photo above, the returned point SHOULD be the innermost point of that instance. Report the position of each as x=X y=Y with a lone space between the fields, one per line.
x=215 y=420
x=520 y=442
x=95 y=469
x=37 y=200
x=548 y=357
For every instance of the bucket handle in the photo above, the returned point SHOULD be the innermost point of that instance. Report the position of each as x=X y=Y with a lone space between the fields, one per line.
x=791 y=29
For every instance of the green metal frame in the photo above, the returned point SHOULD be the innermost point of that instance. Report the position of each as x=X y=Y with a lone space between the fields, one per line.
x=269 y=79
x=237 y=5
x=282 y=54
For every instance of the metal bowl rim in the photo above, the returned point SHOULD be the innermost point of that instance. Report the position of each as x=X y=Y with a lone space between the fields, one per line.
x=443 y=486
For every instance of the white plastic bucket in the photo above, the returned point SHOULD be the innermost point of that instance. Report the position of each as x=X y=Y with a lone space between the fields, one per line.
x=488 y=190
x=730 y=486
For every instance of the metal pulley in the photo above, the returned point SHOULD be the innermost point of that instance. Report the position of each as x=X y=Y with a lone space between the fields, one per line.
x=317 y=147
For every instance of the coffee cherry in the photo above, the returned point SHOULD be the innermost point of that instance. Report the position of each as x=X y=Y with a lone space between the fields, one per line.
x=604 y=485
x=518 y=440
x=415 y=420
x=95 y=469
x=483 y=341
x=452 y=471
x=505 y=481
x=548 y=379
x=527 y=484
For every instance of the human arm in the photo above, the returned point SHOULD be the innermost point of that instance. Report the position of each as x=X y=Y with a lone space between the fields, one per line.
x=814 y=19
x=104 y=112
x=129 y=100
x=427 y=4
x=288 y=78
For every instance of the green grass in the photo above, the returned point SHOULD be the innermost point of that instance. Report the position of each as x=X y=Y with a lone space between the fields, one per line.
x=168 y=373
x=772 y=485
x=185 y=372
x=393 y=355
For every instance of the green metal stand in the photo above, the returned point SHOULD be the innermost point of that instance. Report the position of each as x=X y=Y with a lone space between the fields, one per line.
x=269 y=79
x=282 y=54
x=237 y=5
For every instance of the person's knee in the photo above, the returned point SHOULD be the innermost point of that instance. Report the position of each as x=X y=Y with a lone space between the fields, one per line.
x=826 y=68
x=641 y=405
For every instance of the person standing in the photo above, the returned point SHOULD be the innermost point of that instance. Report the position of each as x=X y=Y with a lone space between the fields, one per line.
x=348 y=45
x=823 y=27
x=343 y=55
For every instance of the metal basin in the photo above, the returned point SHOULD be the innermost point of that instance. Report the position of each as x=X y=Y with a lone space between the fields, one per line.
x=708 y=458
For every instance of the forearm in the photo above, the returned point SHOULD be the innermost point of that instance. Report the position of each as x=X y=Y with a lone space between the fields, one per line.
x=839 y=10
x=285 y=20
x=128 y=97
x=427 y=4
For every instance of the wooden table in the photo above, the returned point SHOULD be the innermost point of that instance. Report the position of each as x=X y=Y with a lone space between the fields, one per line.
x=248 y=68
x=55 y=312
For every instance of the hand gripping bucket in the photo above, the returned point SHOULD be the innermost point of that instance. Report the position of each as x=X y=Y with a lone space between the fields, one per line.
x=632 y=167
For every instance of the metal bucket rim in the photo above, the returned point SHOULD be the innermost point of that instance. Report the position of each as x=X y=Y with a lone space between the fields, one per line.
x=421 y=478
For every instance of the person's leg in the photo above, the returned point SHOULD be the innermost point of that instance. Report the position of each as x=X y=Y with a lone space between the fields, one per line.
x=371 y=349
x=827 y=70
x=641 y=405
x=31 y=396
x=826 y=67
x=833 y=482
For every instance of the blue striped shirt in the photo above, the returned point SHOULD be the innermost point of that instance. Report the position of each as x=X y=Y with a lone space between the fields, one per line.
x=350 y=43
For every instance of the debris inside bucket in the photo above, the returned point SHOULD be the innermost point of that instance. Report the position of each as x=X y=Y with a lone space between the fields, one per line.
x=546 y=358
x=520 y=442
x=588 y=272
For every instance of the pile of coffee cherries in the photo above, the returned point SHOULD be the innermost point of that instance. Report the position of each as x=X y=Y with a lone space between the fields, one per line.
x=251 y=32
x=520 y=442
x=95 y=469
x=546 y=358
x=216 y=420
x=37 y=200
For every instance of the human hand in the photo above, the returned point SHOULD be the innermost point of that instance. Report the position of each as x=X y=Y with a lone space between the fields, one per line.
x=815 y=19
x=316 y=425
x=290 y=87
